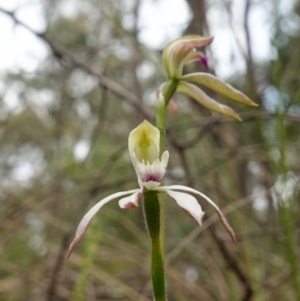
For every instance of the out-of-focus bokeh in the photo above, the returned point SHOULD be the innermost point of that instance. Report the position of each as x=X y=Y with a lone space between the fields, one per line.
x=75 y=78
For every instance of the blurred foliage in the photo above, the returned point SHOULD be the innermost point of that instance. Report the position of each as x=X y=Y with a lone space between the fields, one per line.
x=64 y=146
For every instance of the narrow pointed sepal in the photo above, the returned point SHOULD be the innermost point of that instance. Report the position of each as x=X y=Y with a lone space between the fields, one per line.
x=188 y=203
x=221 y=216
x=219 y=86
x=86 y=220
x=206 y=101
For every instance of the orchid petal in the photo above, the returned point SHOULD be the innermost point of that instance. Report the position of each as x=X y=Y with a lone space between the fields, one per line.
x=206 y=101
x=198 y=193
x=188 y=203
x=196 y=56
x=131 y=201
x=83 y=225
x=219 y=86
x=164 y=159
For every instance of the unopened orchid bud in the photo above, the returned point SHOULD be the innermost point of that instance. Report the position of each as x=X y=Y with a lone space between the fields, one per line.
x=185 y=51
x=182 y=51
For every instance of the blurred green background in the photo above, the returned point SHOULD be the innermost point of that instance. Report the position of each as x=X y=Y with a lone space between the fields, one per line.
x=72 y=87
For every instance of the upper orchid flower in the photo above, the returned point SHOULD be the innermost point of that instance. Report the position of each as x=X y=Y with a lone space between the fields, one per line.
x=183 y=51
x=144 y=151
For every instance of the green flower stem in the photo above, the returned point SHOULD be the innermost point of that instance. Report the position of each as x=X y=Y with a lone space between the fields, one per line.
x=154 y=204
x=152 y=214
x=162 y=110
x=170 y=88
x=161 y=119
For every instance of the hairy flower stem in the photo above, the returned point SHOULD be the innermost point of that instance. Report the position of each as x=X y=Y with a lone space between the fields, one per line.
x=154 y=203
x=169 y=89
x=161 y=120
x=152 y=214
x=162 y=110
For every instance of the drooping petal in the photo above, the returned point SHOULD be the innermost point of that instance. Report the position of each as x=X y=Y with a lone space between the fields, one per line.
x=188 y=203
x=131 y=201
x=206 y=101
x=203 y=196
x=83 y=225
x=219 y=86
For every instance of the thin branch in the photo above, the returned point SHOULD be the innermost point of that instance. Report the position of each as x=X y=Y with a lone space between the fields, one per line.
x=233 y=265
x=60 y=52
x=209 y=122
x=250 y=65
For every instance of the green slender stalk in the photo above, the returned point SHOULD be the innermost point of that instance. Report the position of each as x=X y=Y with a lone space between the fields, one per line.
x=154 y=206
x=161 y=111
x=286 y=217
x=161 y=120
x=286 y=212
x=152 y=214
x=170 y=89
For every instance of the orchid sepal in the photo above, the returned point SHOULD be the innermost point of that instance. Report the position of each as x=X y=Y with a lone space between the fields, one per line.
x=218 y=86
x=86 y=220
x=186 y=201
x=203 y=99
x=221 y=216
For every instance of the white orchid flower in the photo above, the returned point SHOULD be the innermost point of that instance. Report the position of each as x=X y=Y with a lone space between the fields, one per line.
x=144 y=151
